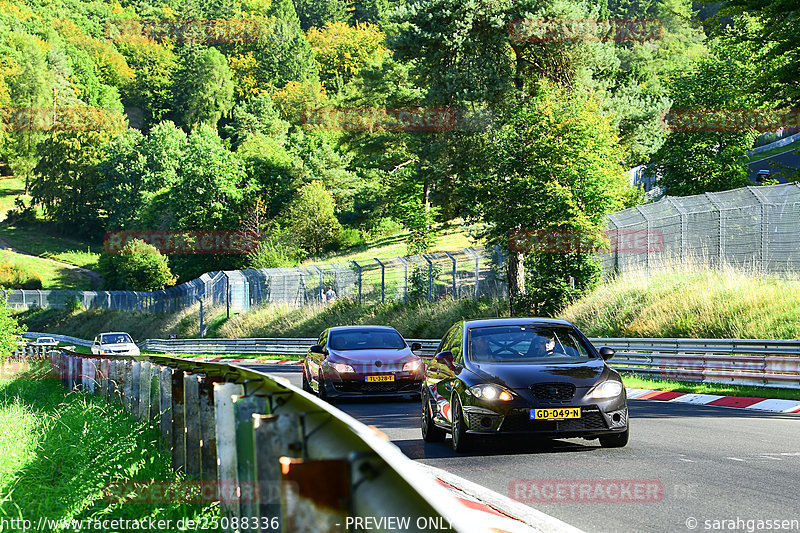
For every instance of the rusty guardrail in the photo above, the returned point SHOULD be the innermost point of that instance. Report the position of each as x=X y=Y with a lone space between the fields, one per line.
x=289 y=457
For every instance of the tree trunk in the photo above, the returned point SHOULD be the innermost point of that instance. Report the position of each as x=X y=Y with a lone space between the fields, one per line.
x=516 y=278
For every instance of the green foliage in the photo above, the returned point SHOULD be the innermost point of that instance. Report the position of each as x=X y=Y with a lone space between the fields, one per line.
x=341 y=51
x=558 y=158
x=698 y=162
x=137 y=267
x=206 y=86
x=318 y=12
x=10 y=330
x=14 y=277
x=310 y=218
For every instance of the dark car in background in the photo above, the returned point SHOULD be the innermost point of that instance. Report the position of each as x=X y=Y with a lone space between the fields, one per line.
x=362 y=360
x=523 y=376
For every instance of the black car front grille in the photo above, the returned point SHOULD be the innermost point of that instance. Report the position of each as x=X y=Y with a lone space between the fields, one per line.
x=553 y=392
x=383 y=386
x=521 y=422
x=479 y=421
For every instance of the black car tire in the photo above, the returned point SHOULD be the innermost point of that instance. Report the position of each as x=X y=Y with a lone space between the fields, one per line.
x=615 y=441
x=462 y=442
x=430 y=432
x=306 y=385
x=323 y=392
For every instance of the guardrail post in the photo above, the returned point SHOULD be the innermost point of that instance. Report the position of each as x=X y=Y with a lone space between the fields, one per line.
x=165 y=389
x=270 y=439
x=208 y=431
x=155 y=392
x=178 y=423
x=191 y=406
x=127 y=386
x=226 y=446
x=144 y=391
x=135 y=376
x=88 y=372
x=244 y=409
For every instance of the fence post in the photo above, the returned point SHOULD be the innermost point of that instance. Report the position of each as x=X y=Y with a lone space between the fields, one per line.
x=430 y=277
x=359 y=279
x=383 y=279
x=321 y=288
x=155 y=392
x=470 y=250
x=455 y=288
x=269 y=444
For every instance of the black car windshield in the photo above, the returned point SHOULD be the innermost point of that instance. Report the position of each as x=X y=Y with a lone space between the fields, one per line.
x=115 y=338
x=534 y=344
x=365 y=339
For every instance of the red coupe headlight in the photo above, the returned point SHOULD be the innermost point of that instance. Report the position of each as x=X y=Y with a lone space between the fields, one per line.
x=412 y=366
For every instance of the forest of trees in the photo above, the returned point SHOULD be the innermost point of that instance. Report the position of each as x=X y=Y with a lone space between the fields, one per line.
x=184 y=115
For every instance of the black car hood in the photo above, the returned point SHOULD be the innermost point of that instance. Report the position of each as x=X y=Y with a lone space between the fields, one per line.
x=523 y=375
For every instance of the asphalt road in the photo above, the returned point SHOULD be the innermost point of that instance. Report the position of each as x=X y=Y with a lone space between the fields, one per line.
x=711 y=463
x=790 y=159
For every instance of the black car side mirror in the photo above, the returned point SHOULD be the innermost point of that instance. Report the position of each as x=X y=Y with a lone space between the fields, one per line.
x=445 y=358
x=415 y=346
x=607 y=353
x=317 y=349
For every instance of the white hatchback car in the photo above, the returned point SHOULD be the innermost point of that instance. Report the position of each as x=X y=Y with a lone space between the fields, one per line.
x=114 y=344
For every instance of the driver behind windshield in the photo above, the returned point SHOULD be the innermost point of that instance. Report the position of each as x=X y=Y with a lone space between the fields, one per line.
x=542 y=346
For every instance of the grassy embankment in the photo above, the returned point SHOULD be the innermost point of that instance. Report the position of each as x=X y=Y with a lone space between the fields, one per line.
x=51 y=274
x=59 y=451
x=40 y=239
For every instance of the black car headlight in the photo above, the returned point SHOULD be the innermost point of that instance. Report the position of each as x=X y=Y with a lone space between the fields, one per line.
x=412 y=366
x=607 y=389
x=490 y=392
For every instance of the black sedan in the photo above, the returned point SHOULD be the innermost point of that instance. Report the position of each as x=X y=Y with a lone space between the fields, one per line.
x=362 y=360
x=522 y=376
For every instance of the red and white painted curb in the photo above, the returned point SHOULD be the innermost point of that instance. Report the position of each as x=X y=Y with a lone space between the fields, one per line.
x=262 y=361
x=743 y=402
x=487 y=510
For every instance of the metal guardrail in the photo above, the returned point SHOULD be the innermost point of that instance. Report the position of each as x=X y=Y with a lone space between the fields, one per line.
x=60 y=338
x=231 y=427
x=759 y=362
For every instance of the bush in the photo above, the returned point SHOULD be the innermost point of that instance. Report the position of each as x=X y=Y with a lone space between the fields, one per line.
x=10 y=330
x=13 y=277
x=138 y=267
x=348 y=238
x=311 y=220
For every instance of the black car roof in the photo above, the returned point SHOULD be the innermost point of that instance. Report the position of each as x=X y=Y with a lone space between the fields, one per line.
x=488 y=322
x=340 y=328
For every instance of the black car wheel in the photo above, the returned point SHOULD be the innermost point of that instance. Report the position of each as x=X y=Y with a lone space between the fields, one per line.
x=430 y=433
x=461 y=440
x=615 y=441
x=306 y=385
x=323 y=392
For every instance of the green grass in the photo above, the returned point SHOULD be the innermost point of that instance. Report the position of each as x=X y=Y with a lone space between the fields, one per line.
x=417 y=320
x=87 y=323
x=53 y=275
x=41 y=239
x=448 y=238
x=775 y=151
x=637 y=382
x=284 y=357
x=726 y=304
x=10 y=188
x=59 y=451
